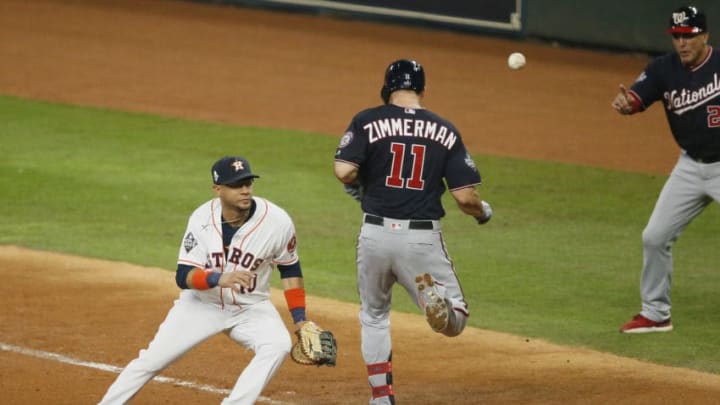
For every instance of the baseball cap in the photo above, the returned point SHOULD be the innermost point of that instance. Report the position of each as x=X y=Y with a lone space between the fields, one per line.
x=231 y=169
x=687 y=20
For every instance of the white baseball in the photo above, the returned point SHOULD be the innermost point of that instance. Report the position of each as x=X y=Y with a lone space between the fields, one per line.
x=516 y=60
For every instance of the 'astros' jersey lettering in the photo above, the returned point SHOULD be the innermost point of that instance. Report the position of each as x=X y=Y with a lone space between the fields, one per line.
x=403 y=154
x=691 y=98
x=266 y=239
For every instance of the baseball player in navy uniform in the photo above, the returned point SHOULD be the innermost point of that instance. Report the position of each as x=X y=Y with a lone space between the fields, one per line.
x=225 y=261
x=687 y=81
x=398 y=159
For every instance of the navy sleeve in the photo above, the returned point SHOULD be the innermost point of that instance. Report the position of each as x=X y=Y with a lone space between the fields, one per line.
x=353 y=145
x=648 y=86
x=292 y=270
x=181 y=275
x=460 y=170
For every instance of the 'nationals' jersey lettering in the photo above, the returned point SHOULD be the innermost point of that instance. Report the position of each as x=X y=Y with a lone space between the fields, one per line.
x=383 y=128
x=690 y=97
x=682 y=100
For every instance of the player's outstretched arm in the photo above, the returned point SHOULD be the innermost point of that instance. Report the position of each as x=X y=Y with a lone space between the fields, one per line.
x=470 y=203
x=294 y=291
x=348 y=174
x=200 y=279
x=315 y=345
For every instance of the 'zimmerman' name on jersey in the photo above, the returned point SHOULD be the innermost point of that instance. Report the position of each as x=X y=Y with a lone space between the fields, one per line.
x=385 y=127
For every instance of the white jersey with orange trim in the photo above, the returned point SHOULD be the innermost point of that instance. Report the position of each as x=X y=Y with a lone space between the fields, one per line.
x=266 y=239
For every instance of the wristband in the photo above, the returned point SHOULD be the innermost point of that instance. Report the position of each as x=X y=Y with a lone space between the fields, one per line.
x=204 y=280
x=295 y=298
x=298 y=314
x=213 y=279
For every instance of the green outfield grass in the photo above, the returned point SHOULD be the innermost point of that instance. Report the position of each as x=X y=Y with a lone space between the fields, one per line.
x=559 y=261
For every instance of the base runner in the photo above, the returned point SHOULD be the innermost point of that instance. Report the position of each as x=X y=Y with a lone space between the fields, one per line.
x=398 y=159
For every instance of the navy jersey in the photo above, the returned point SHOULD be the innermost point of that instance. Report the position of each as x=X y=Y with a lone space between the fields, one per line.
x=405 y=158
x=691 y=98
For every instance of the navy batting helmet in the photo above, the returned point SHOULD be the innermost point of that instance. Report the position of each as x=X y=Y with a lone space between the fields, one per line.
x=403 y=74
x=687 y=20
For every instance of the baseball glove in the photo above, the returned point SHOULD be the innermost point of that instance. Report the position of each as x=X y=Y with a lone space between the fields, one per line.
x=315 y=346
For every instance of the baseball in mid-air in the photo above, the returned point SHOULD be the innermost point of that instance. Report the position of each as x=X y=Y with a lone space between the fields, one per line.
x=516 y=60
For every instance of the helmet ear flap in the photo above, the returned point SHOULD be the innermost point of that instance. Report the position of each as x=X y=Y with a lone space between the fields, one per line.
x=385 y=94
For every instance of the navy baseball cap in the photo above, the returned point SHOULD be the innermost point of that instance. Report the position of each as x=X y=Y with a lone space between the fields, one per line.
x=231 y=169
x=687 y=20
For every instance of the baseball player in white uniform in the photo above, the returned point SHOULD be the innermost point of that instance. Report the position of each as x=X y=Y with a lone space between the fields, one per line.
x=224 y=266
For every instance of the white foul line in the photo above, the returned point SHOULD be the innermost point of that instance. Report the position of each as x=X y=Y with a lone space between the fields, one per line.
x=114 y=369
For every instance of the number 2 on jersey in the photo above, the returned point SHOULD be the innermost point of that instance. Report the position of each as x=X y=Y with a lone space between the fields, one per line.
x=713 y=116
x=395 y=179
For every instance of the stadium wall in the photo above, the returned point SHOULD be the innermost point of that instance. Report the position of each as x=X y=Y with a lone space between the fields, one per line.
x=637 y=25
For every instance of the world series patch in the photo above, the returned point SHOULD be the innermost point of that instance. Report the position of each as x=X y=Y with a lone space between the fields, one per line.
x=189 y=243
x=470 y=162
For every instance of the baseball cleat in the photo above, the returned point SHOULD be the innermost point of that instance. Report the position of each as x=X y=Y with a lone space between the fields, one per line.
x=436 y=309
x=640 y=324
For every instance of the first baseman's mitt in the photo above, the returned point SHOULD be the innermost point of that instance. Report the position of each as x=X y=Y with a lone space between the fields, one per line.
x=315 y=346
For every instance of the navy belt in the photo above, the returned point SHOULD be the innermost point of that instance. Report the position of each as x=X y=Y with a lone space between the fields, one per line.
x=412 y=224
x=706 y=159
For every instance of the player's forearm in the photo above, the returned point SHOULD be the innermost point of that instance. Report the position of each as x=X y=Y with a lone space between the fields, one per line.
x=189 y=277
x=468 y=201
x=294 y=291
x=199 y=279
x=292 y=282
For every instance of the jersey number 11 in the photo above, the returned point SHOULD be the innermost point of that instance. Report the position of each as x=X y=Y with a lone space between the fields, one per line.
x=395 y=179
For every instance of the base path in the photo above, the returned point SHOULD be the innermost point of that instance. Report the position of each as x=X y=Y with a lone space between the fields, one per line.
x=94 y=311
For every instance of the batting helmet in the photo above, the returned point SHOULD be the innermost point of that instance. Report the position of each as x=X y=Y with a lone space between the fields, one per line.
x=403 y=74
x=687 y=20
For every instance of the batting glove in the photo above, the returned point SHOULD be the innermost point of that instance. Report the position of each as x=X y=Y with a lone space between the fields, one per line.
x=354 y=190
x=487 y=213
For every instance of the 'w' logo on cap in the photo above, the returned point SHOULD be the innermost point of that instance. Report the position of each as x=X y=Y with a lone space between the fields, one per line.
x=679 y=18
